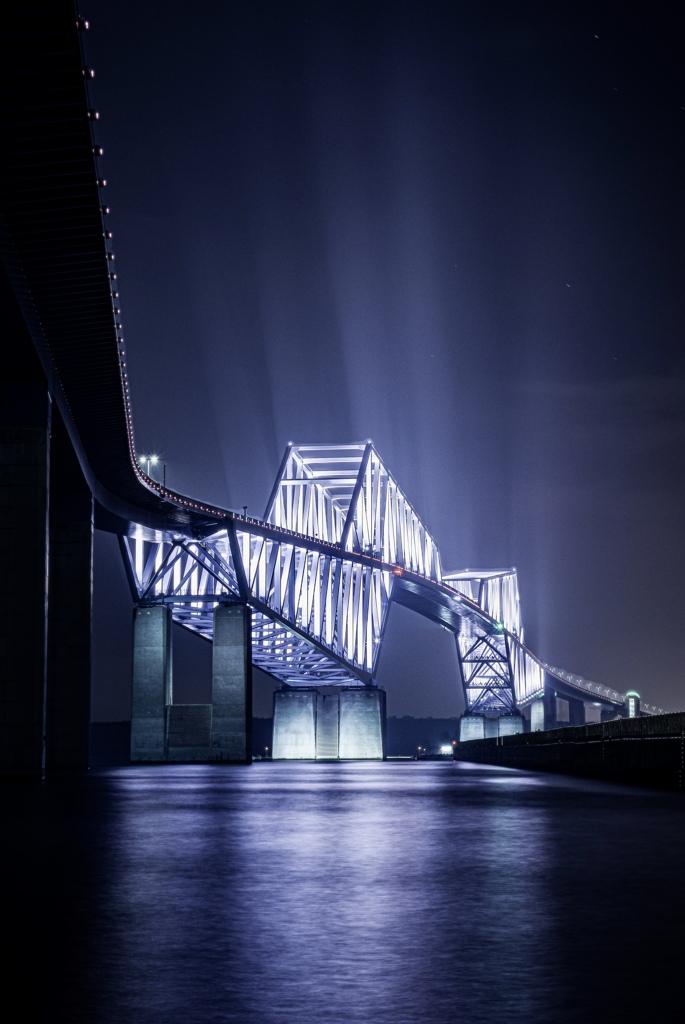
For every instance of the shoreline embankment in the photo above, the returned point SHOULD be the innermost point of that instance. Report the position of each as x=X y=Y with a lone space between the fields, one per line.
x=647 y=751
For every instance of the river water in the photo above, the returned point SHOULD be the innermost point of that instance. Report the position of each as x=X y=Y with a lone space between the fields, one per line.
x=302 y=893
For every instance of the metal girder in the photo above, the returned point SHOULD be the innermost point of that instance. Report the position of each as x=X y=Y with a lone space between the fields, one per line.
x=325 y=612
x=318 y=571
x=494 y=590
x=345 y=495
x=338 y=543
x=486 y=671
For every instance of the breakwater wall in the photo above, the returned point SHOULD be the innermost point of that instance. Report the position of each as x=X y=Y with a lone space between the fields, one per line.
x=647 y=751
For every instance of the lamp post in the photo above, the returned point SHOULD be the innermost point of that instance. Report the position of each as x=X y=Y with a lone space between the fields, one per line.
x=153 y=460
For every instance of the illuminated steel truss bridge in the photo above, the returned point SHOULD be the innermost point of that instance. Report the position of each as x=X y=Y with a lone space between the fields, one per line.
x=338 y=543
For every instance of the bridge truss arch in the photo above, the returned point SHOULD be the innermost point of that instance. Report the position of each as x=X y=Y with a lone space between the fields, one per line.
x=339 y=542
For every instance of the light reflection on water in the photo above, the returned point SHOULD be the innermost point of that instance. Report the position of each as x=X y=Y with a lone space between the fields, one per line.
x=313 y=893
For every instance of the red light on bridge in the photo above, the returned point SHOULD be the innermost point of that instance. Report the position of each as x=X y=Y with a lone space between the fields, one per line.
x=397 y=572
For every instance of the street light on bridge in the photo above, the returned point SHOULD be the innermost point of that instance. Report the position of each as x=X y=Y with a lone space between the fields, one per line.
x=153 y=460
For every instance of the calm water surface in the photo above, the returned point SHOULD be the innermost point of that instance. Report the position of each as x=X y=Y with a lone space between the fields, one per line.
x=315 y=893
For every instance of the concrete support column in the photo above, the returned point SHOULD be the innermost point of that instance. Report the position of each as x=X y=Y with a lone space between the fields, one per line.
x=592 y=714
x=231 y=738
x=70 y=607
x=349 y=725
x=549 y=702
x=510 y=725
x=362 y=724
x=25 y=410
x=152 y=682
x=471 y=727
x=327 y=726
x=294 y=735
x=576 y=711
x=491 y=725
x=537 y=715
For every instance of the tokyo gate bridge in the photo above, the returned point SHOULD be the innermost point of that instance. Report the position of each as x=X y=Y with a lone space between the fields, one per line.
x=303 y=593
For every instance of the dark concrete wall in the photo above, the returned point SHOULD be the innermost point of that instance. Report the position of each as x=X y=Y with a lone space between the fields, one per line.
x=70 y=603
x=46 y=539
x=25 y=409
x=647 y=751
x=110 y=742
x=188 y=732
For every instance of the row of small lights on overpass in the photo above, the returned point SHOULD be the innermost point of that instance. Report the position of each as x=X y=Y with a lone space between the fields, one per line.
x=601 y=690
x=93 y=115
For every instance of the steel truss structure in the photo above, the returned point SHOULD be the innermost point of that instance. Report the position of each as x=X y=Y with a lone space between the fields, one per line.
x=338 y=543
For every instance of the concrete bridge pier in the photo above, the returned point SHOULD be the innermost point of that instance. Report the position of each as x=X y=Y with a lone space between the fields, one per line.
x=471 y=727
x=231 y=730
x=510 y=725
x=347 y=725
x=576 y=711
x=152 y=682
x=294 y=729
x=362 y=724
x=164 y=731
x=479 y=727
x=553 y=712
x=327 y=726
x=543 y=712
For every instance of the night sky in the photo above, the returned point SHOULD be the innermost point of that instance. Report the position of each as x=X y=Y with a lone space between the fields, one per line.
x=455 y=228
